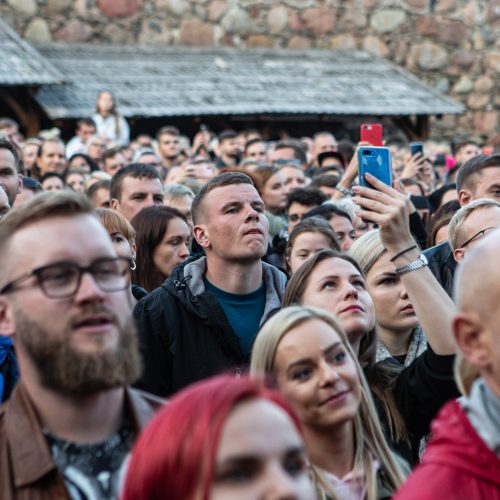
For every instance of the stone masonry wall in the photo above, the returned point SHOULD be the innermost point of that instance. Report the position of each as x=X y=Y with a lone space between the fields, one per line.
x=454 y=45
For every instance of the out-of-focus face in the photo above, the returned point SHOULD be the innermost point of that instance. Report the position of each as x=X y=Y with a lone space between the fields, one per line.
x=317 y=375
x=274 y=193
x=344 y=230
x=53 y=184
x=96 y=148
x=393 y=308
x=360 y=227
x=230 y=147
x=80 y=162
x=305 y=246
x=105 y=103
x=296 y=212
x=282 y=154
x=30 y=152
x=85 y=132
x=4 y=203
x=174 y=247
x=101 y=198
x=260 y=456
x=202 y=171
x=10 y=180
x=138 y=193
x=324 y=142
x=183 y=204
x=169 y=146
x=234 y=227
x=114 y=164
x=52 y=158
x=257 y=151
x=294 y=178
x=450 y=195
x=466 y=152
x=338 y=287
x=76 y=182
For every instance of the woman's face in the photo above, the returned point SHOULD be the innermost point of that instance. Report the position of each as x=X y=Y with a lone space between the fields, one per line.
x=53 y=184
x=274 y=193
x=173 y=249
x=260 y=455
x=76 y=182
x=80 y=162
x=393 y=308
x=122 y=245
x=30 y=152
x=317 y=375
x=338 y=287
x=305 y=246
x=105 y=102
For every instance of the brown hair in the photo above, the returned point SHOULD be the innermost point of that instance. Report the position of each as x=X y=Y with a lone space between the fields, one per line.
x=115 y=222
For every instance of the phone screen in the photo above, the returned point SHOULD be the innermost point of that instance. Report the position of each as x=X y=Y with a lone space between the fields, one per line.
x=416 y=147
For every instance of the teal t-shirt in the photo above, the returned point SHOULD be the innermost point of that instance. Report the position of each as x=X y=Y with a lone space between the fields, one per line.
x=243 y=311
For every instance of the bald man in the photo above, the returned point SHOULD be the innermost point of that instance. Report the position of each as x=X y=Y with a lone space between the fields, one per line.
x=462 y=459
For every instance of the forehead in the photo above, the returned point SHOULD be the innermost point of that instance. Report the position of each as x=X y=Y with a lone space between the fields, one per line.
x=489 y=175
x=382 y=265
x=141 y=184
x=222 y=195
x=80 y=238
x=311 y=238
x=334 y=267
x=340 y=221
x=482 y=218
x=52 y=147
x=299 y=207
x=7 y=158
x=292 y=172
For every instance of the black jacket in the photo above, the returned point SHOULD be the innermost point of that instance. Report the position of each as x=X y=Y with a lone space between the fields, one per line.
x=184 y=334
x=442 y=264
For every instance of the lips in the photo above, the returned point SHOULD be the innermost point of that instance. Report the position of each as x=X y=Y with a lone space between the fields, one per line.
x=93 y=321
x=253 y=231
x=352 y=308
x=334 y=397
x=408 y=308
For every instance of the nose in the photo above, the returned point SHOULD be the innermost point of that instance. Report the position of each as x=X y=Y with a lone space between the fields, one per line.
x=252 y=213
x=403 y=293
x=89 y=290
x=327 y=374
x=346 y=244
x=279 y=484
x=184 y=251
x=350 y=290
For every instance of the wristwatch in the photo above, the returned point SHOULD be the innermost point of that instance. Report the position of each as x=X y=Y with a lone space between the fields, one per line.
x=343 y=190
x=413 y=266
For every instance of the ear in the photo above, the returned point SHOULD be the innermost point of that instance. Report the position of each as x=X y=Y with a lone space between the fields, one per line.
x=19 y=183
x=7 y=323
x=458 y=254
x=114 y=204
x=134 y=249
x=200 y=232
x=472 y=336
x=464 y=197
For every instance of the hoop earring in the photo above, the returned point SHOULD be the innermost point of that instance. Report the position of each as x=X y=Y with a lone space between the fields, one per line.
x=133 y=265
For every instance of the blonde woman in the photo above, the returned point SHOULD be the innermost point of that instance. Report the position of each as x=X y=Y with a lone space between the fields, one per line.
x=398 y=331
x=305 y=352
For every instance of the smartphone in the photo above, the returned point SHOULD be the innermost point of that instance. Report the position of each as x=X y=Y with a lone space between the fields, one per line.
x=372 y=133
x=416 y=147
x=375 y=161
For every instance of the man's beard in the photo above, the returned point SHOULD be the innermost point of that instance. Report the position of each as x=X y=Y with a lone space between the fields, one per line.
x=66 y=370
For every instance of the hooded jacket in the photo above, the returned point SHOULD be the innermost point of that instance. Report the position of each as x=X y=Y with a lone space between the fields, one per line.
x=184 y=334
x=456 y=464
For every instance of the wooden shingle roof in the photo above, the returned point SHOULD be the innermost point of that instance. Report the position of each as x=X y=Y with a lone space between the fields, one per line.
x=21 y=64
x=180 y=81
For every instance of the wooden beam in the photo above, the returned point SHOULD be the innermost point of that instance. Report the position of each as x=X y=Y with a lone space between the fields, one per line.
x=26 y=115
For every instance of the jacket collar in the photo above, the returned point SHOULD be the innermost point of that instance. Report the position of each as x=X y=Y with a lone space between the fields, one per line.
x=30 y=453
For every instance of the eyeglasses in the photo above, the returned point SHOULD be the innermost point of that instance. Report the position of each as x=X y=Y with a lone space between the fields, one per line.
x=62 y=279
x=280 y=162
x=477 y=236
x=295 y=217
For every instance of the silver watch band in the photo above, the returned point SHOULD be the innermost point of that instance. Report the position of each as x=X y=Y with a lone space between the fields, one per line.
x=413 y=266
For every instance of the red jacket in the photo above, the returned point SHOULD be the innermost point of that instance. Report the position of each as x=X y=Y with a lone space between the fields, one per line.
x=456 y=464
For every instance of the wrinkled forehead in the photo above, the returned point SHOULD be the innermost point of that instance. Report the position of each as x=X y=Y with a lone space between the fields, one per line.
x=222 y=195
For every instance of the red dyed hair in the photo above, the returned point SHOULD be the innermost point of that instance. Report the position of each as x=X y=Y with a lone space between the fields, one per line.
x=175 y=455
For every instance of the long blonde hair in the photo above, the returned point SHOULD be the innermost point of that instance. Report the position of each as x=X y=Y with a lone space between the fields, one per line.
x=367 y=250
x=369 y=438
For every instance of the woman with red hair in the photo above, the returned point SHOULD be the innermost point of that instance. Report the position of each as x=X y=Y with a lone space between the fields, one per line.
x=223 y=438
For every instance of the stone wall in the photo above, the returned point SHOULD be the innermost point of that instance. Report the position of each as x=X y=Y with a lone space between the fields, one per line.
x=454 y=45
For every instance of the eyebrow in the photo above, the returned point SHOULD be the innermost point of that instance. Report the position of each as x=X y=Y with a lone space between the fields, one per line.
x=303 y=361
x=251 y=459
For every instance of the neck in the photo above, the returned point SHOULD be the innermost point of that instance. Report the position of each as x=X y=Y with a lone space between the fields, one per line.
x=332 y=451
x=78 y=419
x=234 y=277
x=396 y=342
x=229 y=160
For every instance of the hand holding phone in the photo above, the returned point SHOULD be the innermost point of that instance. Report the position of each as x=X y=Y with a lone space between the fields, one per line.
x=375 y=161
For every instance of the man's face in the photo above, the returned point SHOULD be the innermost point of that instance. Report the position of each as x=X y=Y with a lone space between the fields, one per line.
x=282 y=154
x=487 y=184
x=85 y=132
x=10 y=180
x=169 y=146
x=466 y=152
x=76 y=345
x=344 y=230
x=230 y=147
x=4 y=203
x=138 y=193
x=114 y=163
x=234 y=227
x=183 y=204
x=96 y=148
x=257 y=151
x=102 y=198
x=479 y=223
x=52 y=158
x=295 y=214
x=324 y=143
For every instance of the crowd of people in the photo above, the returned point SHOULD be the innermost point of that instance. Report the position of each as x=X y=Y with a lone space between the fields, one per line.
x=233 y=317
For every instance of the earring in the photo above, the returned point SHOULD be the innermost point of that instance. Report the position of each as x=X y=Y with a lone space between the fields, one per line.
x=133 y=265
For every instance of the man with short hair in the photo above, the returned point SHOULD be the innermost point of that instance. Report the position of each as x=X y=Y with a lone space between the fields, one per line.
x=205 y=316
x=326 y=183
x=478 y=178
x=113 y=160
x=470 y=224
x=300 y=201
x=465 y=150
x=98 y=193
x=51 y=157
x=11 y=180
x=135 y=187
x=229 y=149
x=288 y=152
x=169 y=146
x=323 y=141
x=462 y=458
x=339 y=220
x=85 y=129
x=256 y=149
x=180 y=197
x=70 y=422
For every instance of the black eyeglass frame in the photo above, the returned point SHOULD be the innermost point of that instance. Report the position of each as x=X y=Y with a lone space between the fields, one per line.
x=472 y=238
x=37 y=273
